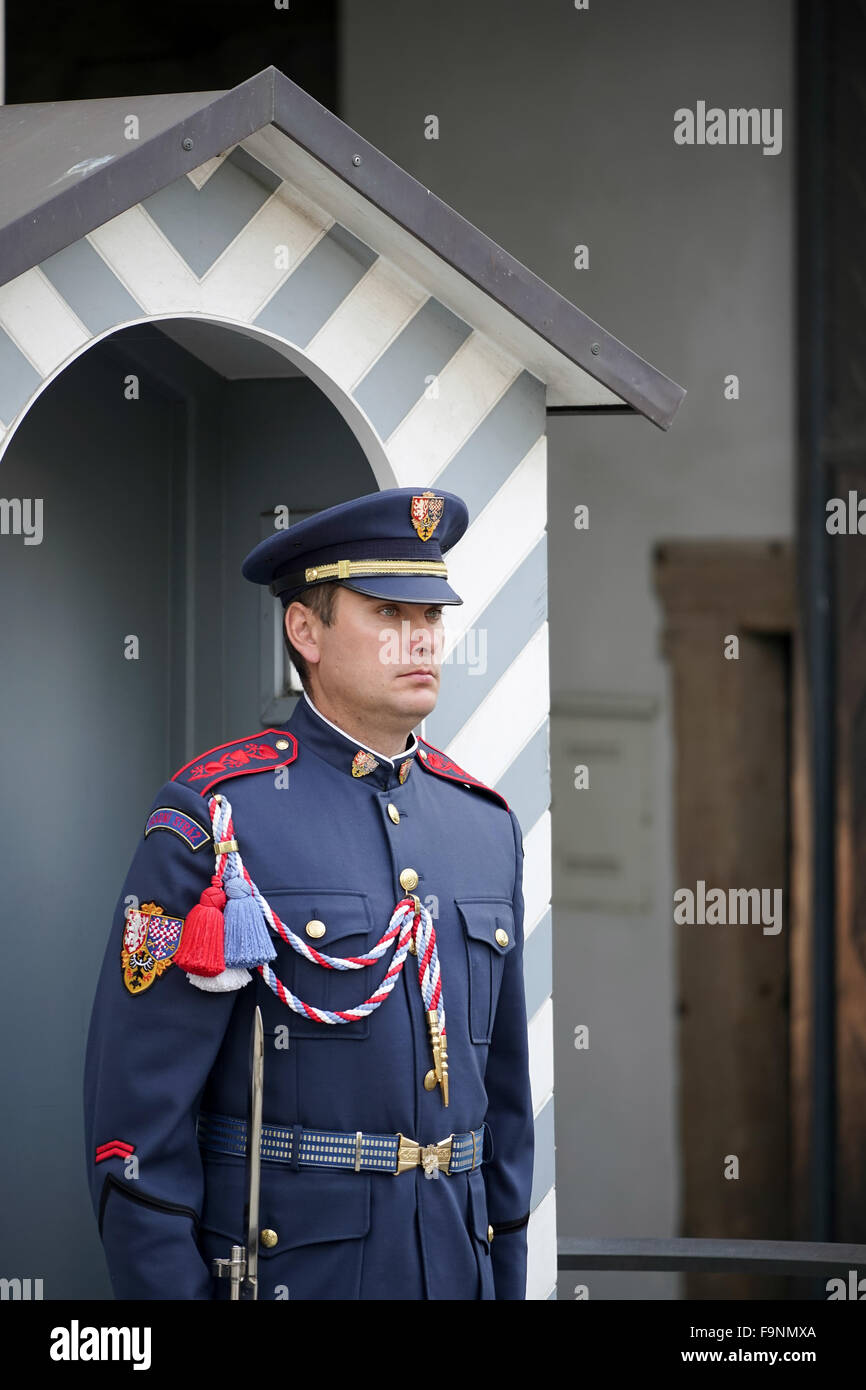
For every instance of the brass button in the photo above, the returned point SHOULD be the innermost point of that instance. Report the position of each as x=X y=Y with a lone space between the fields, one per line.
x=282 y=743
x=393 y=813
x=315 y=928
x=489 y=1232
x=421 y=753
x=408 y=879
x=430 y=1081
x=501 y=936
x=269 y=1238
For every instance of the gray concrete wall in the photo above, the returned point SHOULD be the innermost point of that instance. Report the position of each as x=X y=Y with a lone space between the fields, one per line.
x=556 y=128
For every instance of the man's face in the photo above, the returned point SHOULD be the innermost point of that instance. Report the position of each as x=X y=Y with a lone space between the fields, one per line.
x=379 y=656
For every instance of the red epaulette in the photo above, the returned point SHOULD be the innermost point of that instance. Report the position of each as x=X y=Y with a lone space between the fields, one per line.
x=436 y=761
x=255 y=753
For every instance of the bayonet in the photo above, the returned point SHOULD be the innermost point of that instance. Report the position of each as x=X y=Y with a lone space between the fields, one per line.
x=242 y=1266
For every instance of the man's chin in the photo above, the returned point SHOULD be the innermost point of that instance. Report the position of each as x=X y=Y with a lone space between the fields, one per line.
x=415 y=696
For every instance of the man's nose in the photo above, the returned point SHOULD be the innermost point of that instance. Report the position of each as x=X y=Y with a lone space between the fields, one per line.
x=425 y=640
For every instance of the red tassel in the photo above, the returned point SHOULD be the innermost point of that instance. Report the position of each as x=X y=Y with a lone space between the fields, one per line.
x=202 y=943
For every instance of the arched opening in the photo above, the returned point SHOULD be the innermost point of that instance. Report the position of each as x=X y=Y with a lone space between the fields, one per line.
x=143 y=473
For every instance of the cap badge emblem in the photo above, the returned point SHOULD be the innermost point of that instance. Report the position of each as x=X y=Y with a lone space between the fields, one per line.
x=425 y=513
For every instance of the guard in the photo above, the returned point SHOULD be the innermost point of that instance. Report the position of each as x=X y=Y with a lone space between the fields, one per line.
x=366 y=892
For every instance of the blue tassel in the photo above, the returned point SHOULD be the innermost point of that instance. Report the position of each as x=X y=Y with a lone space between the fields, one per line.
x=247 y=939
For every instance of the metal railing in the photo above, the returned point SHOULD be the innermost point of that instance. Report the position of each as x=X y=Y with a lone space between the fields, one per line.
x=813 y=1258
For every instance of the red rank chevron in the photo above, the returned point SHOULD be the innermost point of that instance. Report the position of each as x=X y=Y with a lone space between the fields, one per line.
x=113 y=1148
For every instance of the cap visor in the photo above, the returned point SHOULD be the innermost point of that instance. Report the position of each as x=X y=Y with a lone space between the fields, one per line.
x=406 y=588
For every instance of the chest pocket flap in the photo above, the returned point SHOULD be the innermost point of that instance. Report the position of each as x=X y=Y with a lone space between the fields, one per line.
x=489 y=933
x=349 y=930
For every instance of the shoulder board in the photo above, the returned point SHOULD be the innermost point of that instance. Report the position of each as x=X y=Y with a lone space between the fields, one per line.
x=256 y=753
x=436 y=761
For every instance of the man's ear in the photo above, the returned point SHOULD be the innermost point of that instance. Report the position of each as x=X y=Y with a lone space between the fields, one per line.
x=300 y=622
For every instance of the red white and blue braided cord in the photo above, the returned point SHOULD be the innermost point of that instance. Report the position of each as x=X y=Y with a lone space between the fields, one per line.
x=405 y=926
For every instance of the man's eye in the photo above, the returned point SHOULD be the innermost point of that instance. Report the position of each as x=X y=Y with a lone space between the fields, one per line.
x=433 y=614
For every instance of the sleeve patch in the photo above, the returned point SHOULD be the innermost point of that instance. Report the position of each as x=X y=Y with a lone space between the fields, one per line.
x=166 y=818
x=150 y=939
x=113 y=1148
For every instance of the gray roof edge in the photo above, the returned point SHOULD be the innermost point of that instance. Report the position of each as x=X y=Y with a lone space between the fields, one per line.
x=145 y=168
x=269 y=97
x=474 y=254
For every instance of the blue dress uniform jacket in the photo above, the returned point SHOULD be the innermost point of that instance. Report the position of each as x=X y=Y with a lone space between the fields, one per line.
x=323 y=847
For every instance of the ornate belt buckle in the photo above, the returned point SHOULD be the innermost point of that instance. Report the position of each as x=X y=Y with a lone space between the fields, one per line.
x=408 y=1154
x=434 y=1158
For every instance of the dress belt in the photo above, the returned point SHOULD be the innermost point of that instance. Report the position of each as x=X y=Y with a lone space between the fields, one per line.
x=327 y=1148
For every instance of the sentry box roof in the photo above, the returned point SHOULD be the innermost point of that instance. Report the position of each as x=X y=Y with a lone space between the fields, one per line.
x=69 y=170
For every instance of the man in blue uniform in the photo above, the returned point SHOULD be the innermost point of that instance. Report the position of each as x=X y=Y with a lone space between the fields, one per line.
x=365 y=892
